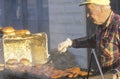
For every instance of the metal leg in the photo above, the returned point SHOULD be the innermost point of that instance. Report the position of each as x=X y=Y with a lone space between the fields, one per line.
x=89 y=65
x=94 y=54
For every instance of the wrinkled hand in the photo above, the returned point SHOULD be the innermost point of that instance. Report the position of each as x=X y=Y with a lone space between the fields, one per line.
x=63 y=46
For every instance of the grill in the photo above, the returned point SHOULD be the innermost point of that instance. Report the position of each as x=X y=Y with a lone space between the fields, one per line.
x=43 y=72
x=42 y=65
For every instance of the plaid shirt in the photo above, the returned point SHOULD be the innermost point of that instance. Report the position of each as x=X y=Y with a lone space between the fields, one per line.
x=106 y=40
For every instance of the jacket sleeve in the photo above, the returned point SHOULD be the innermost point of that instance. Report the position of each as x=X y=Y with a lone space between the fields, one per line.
x=84 y=42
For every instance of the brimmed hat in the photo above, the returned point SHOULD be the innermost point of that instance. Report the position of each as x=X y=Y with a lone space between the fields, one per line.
x=99 y=2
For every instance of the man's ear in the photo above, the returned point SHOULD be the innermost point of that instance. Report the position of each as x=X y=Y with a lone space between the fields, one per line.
x=105 y=8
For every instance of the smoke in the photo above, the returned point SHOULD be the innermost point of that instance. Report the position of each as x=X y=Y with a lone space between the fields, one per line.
x=62 y=61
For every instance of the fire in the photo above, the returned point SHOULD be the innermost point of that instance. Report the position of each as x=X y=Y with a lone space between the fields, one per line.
x=49 y=71
x=53 y=73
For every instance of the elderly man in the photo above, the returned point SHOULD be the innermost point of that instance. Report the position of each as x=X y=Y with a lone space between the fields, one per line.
x=106 y=39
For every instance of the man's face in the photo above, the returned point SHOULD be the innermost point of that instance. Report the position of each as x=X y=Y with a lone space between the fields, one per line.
x=95 y=14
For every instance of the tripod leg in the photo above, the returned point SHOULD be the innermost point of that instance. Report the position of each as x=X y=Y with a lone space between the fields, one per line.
x=89 y=67
x=93 y=51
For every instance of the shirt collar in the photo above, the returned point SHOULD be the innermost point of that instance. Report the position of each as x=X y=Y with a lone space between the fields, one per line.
x=109 y=19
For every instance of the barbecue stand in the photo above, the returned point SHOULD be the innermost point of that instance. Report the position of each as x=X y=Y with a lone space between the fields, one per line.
x=98 y=65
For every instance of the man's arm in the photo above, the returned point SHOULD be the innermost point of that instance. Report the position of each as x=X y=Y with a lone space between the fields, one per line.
x=85 y=42
x=77 y=43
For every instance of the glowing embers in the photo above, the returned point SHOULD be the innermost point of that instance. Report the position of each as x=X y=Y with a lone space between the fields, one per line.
x=47 y=71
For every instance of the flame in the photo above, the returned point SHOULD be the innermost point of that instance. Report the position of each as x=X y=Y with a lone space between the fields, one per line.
x=50 y=72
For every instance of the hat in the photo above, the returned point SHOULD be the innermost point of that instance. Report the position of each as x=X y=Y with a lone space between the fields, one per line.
x=99 y=2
